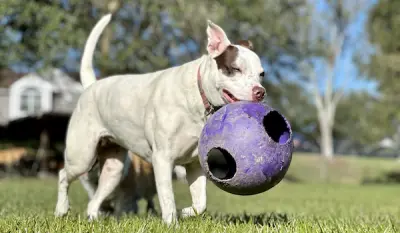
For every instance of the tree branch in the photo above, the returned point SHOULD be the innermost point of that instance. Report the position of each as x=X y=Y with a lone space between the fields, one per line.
x=317 y=96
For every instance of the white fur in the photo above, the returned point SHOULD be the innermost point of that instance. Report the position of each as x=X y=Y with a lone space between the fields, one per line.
x=87 y=185
x=180 y=173
x=158 y=116
x=197 y=187
x=87 y=73
x=217 y=39
x=110 y=177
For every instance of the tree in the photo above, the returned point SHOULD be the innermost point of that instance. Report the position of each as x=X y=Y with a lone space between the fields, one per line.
x=384 y=31
x=31 y=31
x=356 y=130
x=56 y=35
x=329 y=38
x=356 y=122
x=143 y=35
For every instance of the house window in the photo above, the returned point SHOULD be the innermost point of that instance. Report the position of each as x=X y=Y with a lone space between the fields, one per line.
x=30 y=101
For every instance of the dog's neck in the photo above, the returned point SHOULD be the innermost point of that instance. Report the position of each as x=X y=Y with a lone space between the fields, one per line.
x=207 y=105
x=206 y=75
x=208 y=70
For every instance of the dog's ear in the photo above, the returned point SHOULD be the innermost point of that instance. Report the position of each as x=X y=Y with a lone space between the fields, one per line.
x=217 y=39
x=246 y=43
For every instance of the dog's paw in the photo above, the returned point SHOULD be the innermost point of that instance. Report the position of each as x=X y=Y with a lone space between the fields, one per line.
x=59 y=213
x=188 y=212
x=92 y=217
x=170 y=220
x=61 y=209
x=191 y=212
x=173 y=225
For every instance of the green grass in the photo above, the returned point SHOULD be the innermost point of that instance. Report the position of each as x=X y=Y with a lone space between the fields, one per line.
x=337 y=203
x=343 y=169
x=27 y=205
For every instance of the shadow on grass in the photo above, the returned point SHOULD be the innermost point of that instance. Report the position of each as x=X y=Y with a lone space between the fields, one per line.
x=267 y=219
x=392 y=177
x=292 y=179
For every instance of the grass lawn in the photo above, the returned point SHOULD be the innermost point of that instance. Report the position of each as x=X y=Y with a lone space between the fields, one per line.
x=27 y=205
x=343 y=169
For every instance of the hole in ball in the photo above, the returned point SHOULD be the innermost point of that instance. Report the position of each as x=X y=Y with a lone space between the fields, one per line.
x=276 y=127
x=221 y=164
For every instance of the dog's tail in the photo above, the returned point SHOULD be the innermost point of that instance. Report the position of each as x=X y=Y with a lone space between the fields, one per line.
x=87 y=72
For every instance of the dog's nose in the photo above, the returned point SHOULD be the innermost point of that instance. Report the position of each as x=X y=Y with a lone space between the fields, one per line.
x=258 y=93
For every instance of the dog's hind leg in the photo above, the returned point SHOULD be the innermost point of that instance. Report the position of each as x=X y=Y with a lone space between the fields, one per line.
x=126 y=203
x=78 y=159
x=62 y=199
x=150 y=206
x=110 y=177
x=89 y=187
x=66 y=176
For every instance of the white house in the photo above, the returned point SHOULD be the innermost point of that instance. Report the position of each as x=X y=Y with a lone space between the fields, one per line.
x=34 y=94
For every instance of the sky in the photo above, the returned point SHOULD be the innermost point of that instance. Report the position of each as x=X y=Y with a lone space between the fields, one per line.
x=346 y=68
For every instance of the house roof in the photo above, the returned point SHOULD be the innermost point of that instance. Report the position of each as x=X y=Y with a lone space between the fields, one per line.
x=8 y=76
x=63 y=84
x=61 y=81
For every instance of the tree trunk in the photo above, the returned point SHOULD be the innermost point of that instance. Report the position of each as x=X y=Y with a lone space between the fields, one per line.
x=327 y=142
x=326 y=131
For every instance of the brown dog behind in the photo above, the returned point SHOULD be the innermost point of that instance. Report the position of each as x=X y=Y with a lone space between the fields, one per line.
x=12 y=155
x=139 y=183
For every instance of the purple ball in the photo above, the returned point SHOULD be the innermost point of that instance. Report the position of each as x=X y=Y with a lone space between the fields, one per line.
x=246 y=148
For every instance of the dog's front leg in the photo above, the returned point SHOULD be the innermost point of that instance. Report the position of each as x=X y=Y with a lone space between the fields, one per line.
x=197 y=185
x=162 y=165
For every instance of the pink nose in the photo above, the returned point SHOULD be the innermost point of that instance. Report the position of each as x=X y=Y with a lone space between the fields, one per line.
x=258 y=93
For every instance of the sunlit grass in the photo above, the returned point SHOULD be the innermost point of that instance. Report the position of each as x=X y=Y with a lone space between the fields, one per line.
x=28 y=205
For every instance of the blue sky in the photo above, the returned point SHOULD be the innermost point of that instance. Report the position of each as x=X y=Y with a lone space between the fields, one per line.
x=346 y=68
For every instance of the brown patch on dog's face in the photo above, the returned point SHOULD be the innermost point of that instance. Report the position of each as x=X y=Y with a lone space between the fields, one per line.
x=226 y=59
x=240 y=71
x=246 y=43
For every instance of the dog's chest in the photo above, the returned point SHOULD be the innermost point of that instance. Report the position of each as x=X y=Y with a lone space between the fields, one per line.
x=186 y=144
x=187 y=147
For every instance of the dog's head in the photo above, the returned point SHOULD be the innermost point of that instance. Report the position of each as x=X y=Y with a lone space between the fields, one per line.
x=239 y=68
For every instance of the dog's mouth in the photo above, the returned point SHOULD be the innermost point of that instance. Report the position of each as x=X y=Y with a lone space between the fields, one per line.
x=229 y=96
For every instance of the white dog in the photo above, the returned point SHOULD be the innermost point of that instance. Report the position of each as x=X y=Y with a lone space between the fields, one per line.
x=158 y=116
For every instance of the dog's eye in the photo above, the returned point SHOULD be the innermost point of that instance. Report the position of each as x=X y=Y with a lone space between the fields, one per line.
x=236 y=69
x=262 y=74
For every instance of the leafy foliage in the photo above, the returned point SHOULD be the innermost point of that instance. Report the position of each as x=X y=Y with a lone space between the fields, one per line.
x=145 y=35
x=41 y=32
x=384 y=31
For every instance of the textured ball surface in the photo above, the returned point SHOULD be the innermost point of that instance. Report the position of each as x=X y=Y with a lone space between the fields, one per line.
x=246 y=148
